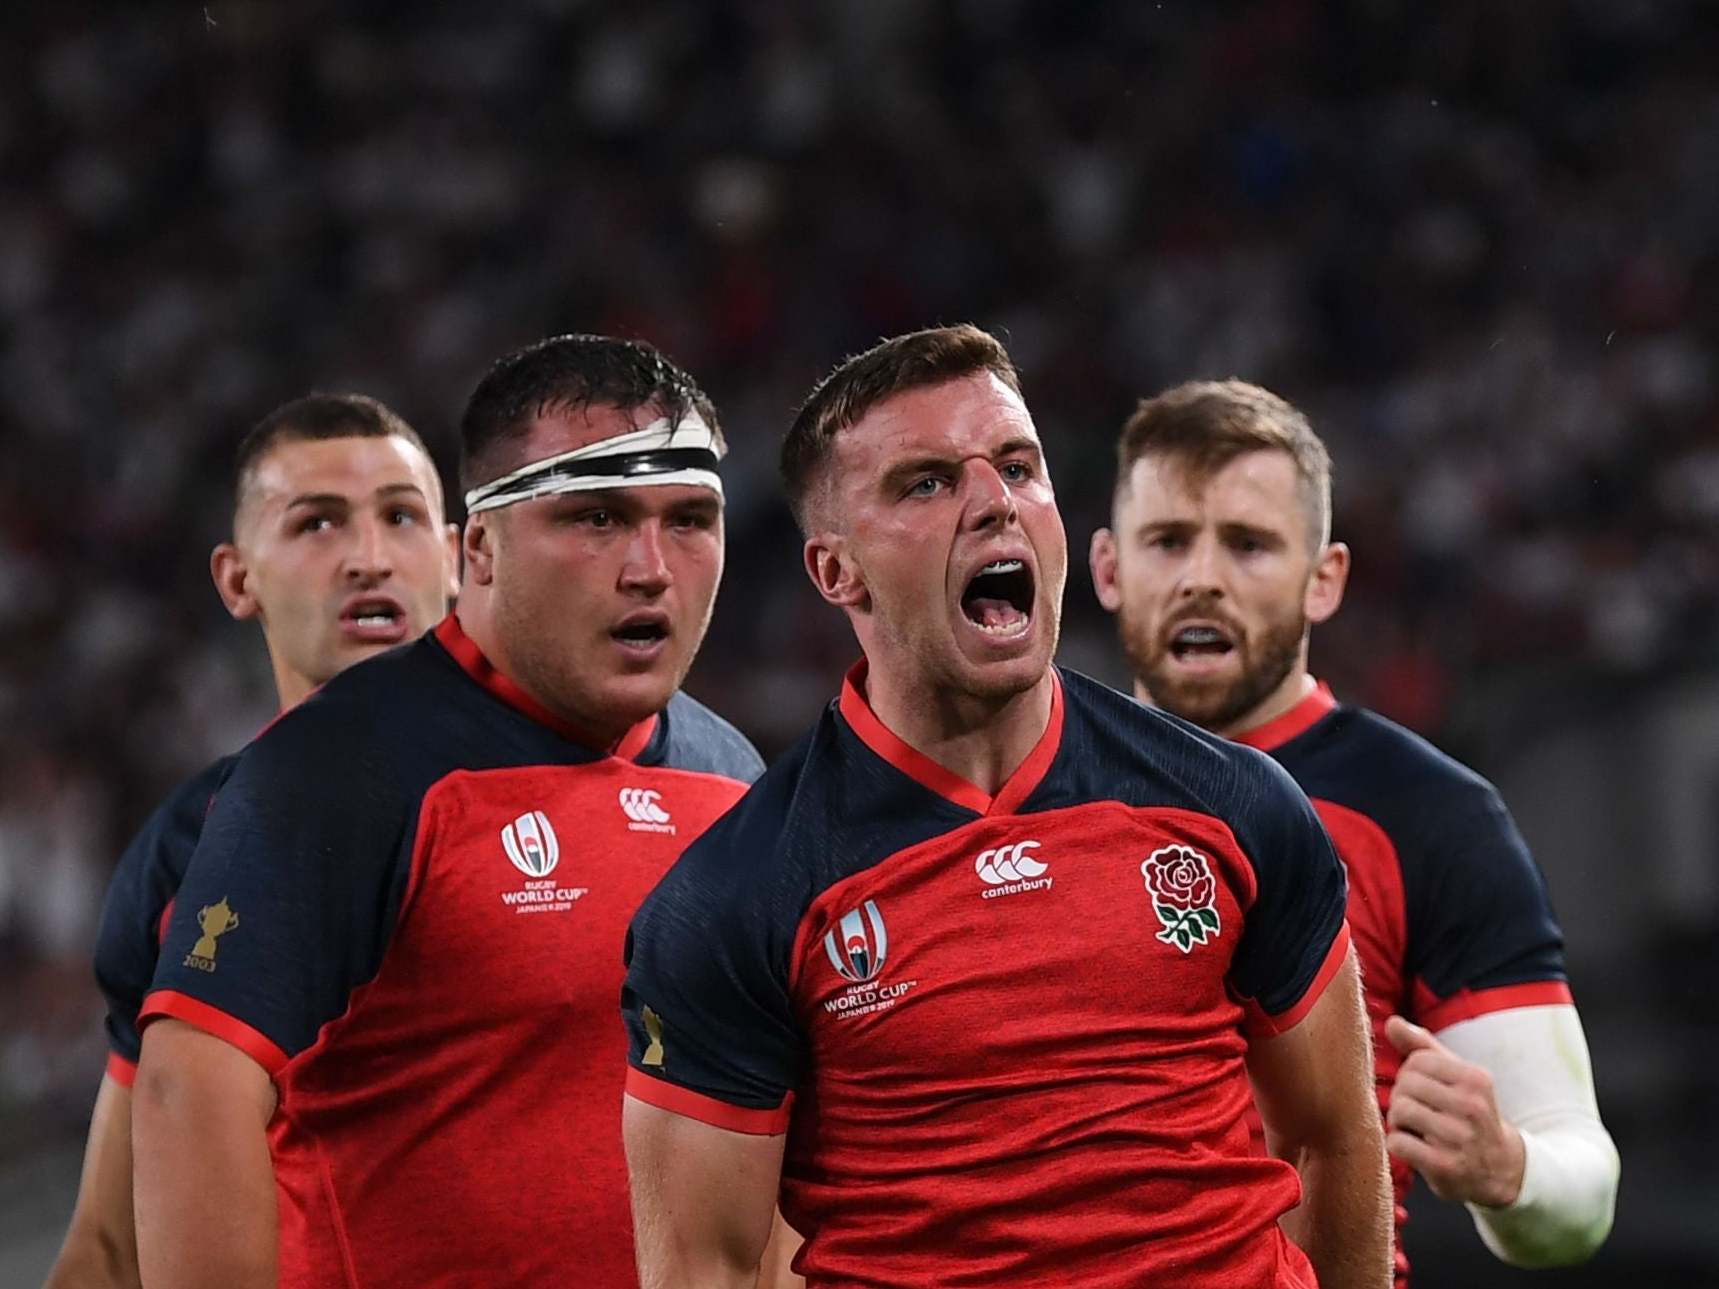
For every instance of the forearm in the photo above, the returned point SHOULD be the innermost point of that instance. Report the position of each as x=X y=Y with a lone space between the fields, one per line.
x=95 y=1257
x=100 y=1251
x=1537 y=1058
x=205 y=1190
x=1343 y=1223
x=1569 y=1189
x=776 y=1268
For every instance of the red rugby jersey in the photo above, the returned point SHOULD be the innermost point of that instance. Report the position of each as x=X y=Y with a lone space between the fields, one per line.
x=1449 y=912
x=1005 y=1034
x=408 y=905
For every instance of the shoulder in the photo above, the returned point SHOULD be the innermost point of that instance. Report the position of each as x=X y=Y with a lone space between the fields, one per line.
x=1359 y=759
x=375 y=722
x=1128 y=748
x=700 y=740
x=762 y=823
x=167 y=838
x=154 y=862
x=188 y=804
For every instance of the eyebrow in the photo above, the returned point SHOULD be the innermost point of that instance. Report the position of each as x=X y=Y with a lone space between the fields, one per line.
x=340 y=499
x=1225 y=527
x=1012 y=447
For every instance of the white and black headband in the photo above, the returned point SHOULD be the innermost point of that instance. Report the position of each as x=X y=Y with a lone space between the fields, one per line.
x=664 y=452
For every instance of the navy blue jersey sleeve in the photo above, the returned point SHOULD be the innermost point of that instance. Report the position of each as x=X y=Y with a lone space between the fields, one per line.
x=1479 y=916
x=290 y=896
x=711 y=1026
x=1293 y=934
x=698 y=739
x=143 y=885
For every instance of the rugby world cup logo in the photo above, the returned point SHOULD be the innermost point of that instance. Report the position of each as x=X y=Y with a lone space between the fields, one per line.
x=530 y=843
x=858 y=944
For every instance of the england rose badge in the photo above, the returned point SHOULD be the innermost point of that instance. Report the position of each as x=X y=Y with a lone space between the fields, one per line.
x=1184 y=895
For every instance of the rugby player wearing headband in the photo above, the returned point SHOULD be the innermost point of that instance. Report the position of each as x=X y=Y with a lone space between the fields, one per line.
x=1013 y=942
x=339 y=551
x=392 y=969
x=1219 y=561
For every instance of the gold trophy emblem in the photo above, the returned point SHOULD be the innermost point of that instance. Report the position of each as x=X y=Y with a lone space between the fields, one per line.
x=216 y=920
x=653 y=1031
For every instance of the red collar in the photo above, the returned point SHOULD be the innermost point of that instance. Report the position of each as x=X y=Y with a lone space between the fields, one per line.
x=472 y=661
x=1296 y=721
x=946 y=783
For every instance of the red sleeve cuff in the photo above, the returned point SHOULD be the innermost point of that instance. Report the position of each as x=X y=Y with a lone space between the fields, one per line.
x=695 y=1105
x=212 y=1020
x=1261 y=1022
x=121 y=1070
x=1465 y=1004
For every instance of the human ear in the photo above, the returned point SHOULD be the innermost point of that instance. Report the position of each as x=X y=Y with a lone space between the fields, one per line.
x=832 y=570
x=1101 y=557
x=233 y=581
x=479 y=550
x=1325 y=588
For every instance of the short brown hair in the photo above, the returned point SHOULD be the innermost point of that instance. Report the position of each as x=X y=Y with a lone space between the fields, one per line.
x=912 y=361
x=315 y=417
x=1206 y=424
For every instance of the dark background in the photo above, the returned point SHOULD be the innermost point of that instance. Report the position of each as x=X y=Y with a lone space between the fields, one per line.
x=1477 y=242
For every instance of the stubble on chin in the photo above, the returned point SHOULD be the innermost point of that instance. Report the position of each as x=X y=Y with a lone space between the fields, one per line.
x=1220 y=702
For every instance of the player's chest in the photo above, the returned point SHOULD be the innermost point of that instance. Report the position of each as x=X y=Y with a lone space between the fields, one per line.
x=1088 y=922
x=524 y=881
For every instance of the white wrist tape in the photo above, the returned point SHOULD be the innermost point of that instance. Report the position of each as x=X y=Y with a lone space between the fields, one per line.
x=1538 y=1059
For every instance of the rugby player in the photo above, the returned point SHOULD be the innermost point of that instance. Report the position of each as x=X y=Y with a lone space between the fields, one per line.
x=976 y=975
x=1218 y=563
x=339 y=550
x=380 y=1046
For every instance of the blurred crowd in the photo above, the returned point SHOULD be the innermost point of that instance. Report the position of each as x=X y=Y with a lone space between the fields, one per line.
x=1472 y=240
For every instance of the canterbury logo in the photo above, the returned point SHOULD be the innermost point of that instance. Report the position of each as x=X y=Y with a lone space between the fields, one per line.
x=1009 y=864
x=530 y=844
x=640 y=805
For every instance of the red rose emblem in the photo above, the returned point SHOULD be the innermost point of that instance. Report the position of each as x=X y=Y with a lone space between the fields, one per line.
x=1184 y=896
x=1179 y=877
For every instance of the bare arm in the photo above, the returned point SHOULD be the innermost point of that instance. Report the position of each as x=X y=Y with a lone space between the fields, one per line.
x=704 y=1198
x=1314 y=1085
x=100 y=1251
x=204 y=1183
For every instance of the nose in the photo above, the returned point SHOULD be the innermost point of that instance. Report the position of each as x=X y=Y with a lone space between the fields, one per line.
x=368 y=559
x=990 y=500
x=1200 y=572
x=645 y=570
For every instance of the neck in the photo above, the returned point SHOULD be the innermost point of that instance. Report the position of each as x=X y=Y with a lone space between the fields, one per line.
x=290 y=687
x=984 y=740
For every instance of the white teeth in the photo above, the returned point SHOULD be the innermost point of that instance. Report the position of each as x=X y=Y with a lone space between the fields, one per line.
x=375 y=620
x=1003 y=566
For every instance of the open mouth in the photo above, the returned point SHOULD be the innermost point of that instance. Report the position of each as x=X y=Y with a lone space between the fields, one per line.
x=642 y=632
x=999 y=599
x=1202 y=641
x=375 y=618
